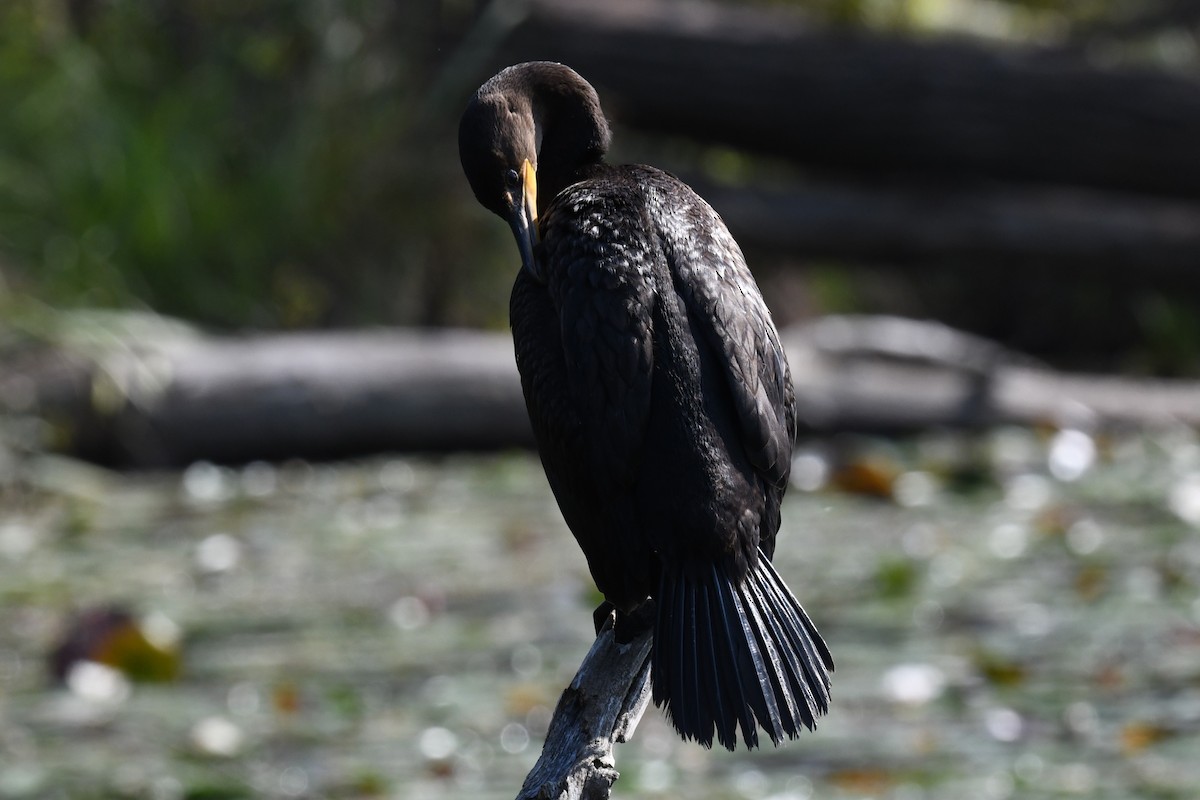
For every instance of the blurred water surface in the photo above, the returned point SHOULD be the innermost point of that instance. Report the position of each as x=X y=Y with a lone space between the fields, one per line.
x=1013 y=615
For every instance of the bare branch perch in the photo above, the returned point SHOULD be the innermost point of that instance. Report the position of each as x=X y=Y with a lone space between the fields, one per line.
x=600 y=708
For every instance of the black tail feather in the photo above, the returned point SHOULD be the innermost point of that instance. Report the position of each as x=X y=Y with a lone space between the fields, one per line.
x=759 y=692
x=730 y=671
x=690 y=685
x=729 y=656
x=768 y=630
x=817 y=661
x=712 y=668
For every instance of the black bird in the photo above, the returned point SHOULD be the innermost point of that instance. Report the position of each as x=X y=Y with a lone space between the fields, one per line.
x=661 y=403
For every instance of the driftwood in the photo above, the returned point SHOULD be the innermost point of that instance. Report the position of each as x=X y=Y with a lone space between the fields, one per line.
x=601 y=708
x=171 y=400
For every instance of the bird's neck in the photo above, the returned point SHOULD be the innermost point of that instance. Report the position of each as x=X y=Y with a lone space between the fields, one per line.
x=553 y=177
x=571 y=137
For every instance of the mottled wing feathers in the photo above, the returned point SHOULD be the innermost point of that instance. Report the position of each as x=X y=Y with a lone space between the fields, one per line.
x=603 y=285
x=724 y=303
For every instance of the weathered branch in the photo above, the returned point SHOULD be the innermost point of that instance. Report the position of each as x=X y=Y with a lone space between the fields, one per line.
x=601 y=708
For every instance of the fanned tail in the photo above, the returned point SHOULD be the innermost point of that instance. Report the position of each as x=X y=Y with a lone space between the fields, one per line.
x=729 y=656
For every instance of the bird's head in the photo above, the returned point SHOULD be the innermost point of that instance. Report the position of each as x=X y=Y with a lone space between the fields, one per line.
x=497 y=144
x=532 y=123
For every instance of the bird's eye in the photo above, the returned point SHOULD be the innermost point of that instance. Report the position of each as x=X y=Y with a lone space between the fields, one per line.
x=511 y=177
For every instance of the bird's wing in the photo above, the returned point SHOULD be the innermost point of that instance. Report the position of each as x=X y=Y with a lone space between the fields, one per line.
x=724 y=303
x=599 y=277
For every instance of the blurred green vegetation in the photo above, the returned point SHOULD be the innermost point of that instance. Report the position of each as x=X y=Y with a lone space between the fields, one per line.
x=256 y=163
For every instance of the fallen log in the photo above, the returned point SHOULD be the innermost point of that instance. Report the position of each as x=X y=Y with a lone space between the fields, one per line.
x=314 y=395
x=170 y=400
x=908 y=152
x=868 y=103
x=1135 y=240
x=878 y=373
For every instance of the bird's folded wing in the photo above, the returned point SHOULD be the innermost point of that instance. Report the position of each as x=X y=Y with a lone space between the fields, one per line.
x=725 y=305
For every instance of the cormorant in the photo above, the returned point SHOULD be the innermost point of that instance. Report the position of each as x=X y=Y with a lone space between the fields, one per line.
x=661 y=403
